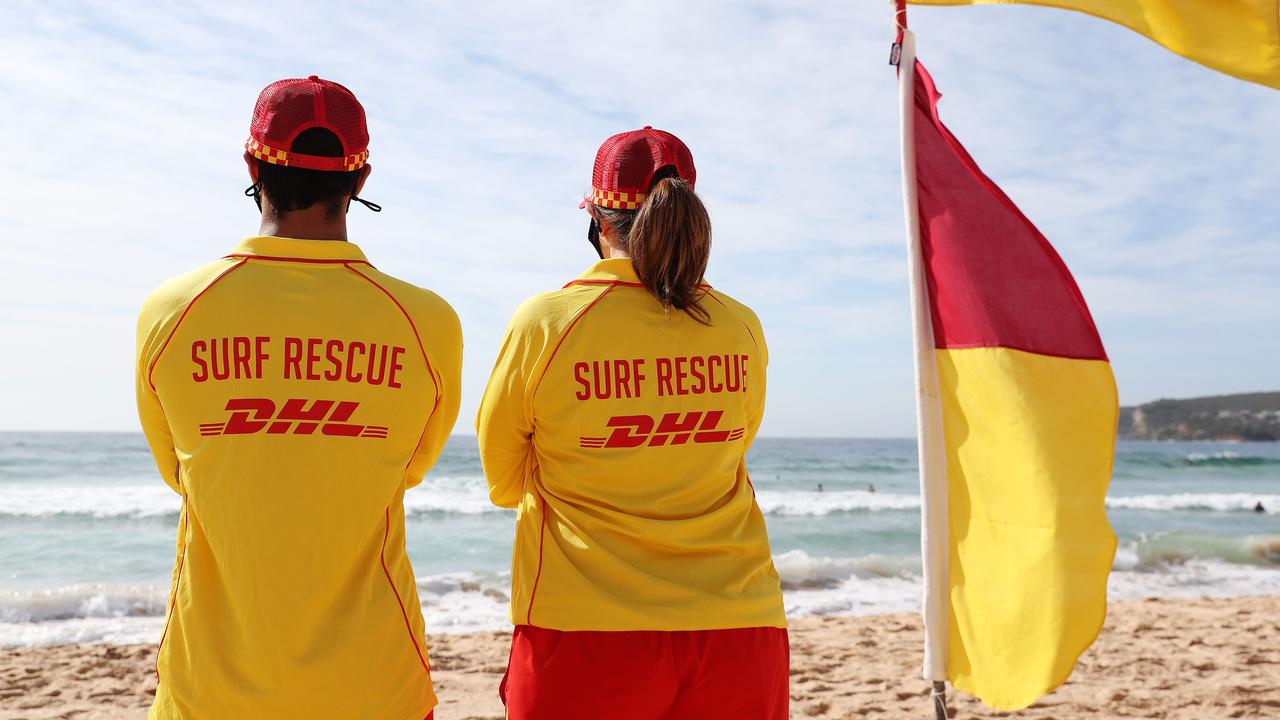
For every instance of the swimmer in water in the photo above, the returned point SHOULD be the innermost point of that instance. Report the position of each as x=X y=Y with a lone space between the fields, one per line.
x=819 y=487
x=871 y=488
x=1258 y=508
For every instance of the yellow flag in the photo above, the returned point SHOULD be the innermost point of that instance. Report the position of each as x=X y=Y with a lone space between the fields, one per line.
x=1237 y=37
x=1016 y=542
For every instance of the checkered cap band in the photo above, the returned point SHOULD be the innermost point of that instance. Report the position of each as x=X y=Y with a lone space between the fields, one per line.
x=309 y=162
x=617 y=200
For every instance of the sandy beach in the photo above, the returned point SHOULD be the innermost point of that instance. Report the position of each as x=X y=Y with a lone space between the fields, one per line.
x=1198 y=659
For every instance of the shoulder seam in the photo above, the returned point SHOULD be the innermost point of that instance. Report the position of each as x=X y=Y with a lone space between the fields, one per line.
x=431 y=371
x=190 y=304
x=412 y=326
x=747 y=327
x=565 y=335
x=611 y=283
x=624 y=283
x=314 y=261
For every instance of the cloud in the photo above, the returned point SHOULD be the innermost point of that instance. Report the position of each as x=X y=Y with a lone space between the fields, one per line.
x=1154 y=177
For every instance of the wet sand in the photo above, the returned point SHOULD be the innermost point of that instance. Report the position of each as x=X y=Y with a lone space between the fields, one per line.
x=1198 y=659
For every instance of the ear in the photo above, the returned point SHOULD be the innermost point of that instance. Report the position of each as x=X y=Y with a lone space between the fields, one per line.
x=362 y=176
x=252 y=162
x=606 y=230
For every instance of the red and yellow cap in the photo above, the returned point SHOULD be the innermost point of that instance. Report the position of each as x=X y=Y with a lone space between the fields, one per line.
x=627 y=162
x=287 y=107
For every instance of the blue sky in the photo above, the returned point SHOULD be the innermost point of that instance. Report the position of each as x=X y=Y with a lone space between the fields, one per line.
x=1154 y=177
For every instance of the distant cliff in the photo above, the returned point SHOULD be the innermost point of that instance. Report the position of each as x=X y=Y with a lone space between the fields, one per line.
x=1252 y=416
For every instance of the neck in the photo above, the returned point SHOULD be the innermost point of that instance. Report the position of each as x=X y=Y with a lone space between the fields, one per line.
x=608 y=250
x=313 y=223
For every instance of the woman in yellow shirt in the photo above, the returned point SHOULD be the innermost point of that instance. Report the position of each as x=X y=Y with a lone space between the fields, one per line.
x=617 y=422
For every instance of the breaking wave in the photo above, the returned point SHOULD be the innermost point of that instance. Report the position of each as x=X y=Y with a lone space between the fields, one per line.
x=1221 y=502
x=468 y=496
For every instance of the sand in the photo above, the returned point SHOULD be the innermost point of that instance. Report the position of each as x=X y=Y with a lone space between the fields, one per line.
x=1198 y=659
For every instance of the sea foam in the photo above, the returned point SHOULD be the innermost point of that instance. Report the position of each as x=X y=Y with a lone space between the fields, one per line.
x=89 y=600
x=468 y=496
x=809 y=502
x=458 y=495
x=1222 y=502
x=472 y=602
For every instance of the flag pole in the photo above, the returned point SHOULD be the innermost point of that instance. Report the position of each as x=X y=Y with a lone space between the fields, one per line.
x=931 y=449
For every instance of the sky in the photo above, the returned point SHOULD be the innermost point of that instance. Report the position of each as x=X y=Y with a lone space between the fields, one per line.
x=1155 y=178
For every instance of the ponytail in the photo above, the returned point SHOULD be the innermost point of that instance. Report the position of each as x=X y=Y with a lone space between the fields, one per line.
x=669 y=241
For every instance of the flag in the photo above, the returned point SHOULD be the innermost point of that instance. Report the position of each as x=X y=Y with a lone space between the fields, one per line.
x=1236 y=37
x=1018 y=418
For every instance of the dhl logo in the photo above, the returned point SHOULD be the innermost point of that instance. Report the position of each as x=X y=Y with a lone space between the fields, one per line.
x=253 y=415
x=632 y=431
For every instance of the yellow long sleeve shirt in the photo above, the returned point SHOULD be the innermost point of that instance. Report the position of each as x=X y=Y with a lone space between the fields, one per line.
x=291 y=393
x=619 y=430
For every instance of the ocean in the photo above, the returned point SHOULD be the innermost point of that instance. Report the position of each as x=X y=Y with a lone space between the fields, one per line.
x=87 y=531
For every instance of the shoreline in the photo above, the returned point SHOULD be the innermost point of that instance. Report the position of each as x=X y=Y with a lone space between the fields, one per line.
x=1155 y=658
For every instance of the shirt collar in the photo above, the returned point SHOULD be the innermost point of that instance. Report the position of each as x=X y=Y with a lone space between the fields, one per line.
x=280 y=248
x=612 y=270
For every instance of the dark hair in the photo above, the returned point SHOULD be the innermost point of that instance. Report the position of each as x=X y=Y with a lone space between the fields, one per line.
x=669 y=241
x=292 y=188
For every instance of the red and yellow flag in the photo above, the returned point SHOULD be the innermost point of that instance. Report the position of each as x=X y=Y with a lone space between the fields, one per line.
x=1236 y=37
x=1026 y=400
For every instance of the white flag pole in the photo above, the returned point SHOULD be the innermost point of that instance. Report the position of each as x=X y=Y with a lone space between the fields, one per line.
x=934 y=540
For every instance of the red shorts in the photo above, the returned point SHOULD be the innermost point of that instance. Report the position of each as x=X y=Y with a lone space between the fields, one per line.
x=647 y=675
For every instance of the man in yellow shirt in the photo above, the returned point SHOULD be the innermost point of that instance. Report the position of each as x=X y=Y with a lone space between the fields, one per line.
x=291 y=393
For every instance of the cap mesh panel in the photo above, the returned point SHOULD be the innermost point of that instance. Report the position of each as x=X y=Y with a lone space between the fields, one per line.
x=286 y=107
x=627 y=161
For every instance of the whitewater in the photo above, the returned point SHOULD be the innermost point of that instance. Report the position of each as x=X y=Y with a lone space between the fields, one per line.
x=87 y=531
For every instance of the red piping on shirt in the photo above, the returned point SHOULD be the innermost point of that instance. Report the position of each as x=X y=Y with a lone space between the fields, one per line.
x=435 y=383
x=572 y=325
x=430 y=370
x=421 y=348
x=626 y=283
x=744 y=322
x=151 y=368
x=173 y=599
x=340 y=261
x=382 y=557
x=528 y=616
x=542 y=533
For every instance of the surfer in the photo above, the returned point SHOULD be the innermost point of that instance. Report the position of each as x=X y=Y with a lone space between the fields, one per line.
x=1259 y=508
x=637 y=521
x=292 y=593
